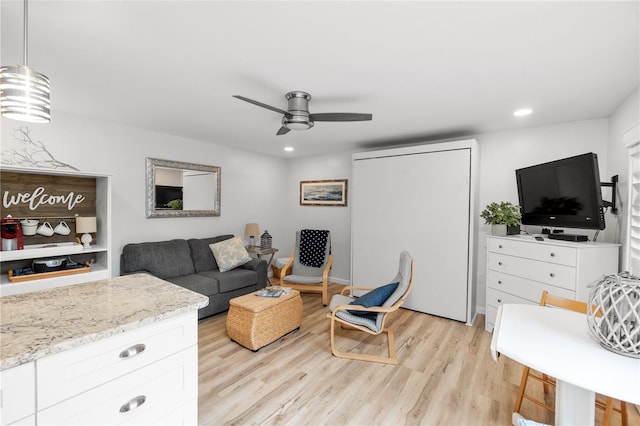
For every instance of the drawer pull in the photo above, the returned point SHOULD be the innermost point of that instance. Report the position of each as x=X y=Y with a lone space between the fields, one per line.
x=499 y=300
x=499 y=263
x=552 y=275
x=499 y=282
x=553 y=254
x=133 y=350
x=500 y=246
x=133 y=403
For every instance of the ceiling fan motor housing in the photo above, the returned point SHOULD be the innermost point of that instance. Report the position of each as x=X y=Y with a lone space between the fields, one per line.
x=299 y=109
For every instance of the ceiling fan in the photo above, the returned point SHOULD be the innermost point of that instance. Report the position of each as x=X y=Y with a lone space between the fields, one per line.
x=297 y=116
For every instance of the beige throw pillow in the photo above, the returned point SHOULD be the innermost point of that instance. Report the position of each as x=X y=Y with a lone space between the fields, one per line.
x=230 y=253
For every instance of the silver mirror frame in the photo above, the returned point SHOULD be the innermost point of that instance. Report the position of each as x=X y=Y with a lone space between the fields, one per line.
x=150 y=209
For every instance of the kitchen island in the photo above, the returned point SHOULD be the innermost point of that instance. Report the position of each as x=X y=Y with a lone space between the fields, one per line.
x=115 y=351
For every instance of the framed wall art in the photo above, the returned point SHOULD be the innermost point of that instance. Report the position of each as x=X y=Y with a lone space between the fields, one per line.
x=323 y=192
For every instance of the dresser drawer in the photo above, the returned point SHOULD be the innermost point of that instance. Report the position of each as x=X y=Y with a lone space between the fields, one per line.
x=17 y=393
x=534 y=250
x=496 y=298
x=158 y=389
x=524 y=288
x=548 y=273
x=63 y=375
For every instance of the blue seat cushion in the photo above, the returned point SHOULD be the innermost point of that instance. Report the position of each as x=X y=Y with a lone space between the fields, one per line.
x=375 y=297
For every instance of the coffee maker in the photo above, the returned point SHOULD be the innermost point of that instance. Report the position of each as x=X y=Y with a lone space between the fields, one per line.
x=11 y=233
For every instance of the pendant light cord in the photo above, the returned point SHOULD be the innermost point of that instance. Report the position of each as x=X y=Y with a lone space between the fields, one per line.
x=26 y=32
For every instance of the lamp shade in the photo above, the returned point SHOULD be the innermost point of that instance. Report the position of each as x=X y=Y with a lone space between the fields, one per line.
x=24 y=94
x=251 y=229
x=86 y=225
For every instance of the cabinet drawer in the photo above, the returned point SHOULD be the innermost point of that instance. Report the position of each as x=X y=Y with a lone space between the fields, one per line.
x=496 y=298
x=524 y=288
x=17 y=393
x=71 y=372
x=534 y=250
x=549 y=273
x=160 y=388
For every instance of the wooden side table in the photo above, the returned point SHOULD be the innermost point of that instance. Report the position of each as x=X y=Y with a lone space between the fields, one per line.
x=259 y=251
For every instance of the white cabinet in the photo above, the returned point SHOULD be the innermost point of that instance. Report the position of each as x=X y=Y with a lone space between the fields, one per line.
x=520 y=268
x=420 y=199
x=99 y=253
x=144 y=376
x=18 y=395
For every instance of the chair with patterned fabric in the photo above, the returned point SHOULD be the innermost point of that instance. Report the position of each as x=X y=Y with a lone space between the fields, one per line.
x=370 y=311
x=309 y=264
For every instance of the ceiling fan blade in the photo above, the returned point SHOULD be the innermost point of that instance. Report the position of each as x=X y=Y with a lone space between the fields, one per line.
x=283 y=131
x=260 y=104
x=340 y=116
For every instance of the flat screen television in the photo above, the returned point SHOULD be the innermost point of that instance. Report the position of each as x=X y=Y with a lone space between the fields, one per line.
x=164 y=194
x=563 y=193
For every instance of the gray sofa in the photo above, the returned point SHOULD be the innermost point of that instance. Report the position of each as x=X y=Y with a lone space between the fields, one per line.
x=190 y=264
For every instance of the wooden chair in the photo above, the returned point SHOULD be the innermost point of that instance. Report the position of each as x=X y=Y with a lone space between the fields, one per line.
x=547 y=382
x=305 y=278
x=374 y=324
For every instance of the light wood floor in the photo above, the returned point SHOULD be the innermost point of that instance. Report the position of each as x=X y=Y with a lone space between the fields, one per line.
x=445 y=376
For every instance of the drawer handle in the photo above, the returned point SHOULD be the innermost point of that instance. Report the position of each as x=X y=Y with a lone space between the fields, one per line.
x=499 y=263
x=499 y=300
x=500 y=246
x=133 y=350
x=553 y=254
x=552 y=275
x=133 y=403
x=499 y=282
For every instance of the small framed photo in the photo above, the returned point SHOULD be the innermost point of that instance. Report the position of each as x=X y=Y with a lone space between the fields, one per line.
x=323 y=192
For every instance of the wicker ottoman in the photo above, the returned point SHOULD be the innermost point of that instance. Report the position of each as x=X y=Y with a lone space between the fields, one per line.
x=255 y=321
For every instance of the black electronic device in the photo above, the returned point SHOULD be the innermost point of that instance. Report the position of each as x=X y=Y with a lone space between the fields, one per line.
x=165 y=193
x=568 y=237
x=563 y=193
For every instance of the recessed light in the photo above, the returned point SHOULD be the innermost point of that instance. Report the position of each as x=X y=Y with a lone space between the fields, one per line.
x=523 y=112
x=288 y=148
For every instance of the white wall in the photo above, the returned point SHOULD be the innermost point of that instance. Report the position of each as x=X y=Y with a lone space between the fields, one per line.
x=251 y=183
x=504 y=152
x=335 y=219
x=625 y=116
x=500 y=155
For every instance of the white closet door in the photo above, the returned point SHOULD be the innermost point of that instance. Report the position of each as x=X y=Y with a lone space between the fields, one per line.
x=420 y=203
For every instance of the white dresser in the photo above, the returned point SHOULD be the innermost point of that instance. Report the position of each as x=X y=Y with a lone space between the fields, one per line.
x=520 y=268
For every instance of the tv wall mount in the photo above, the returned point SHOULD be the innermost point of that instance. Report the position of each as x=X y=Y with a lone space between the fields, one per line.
x=614 y=188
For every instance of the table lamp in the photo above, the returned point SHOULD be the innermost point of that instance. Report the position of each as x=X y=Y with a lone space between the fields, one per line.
x=251 y=230
x=85 y=226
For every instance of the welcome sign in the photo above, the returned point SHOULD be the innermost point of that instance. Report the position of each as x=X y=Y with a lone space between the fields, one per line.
x=26 y=195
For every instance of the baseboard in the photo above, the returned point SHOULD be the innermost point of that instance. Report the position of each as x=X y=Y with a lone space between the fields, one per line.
x=339 y=281
x=480 y=310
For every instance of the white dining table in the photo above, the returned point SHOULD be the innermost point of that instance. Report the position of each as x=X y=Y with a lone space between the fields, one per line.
x=557 y=342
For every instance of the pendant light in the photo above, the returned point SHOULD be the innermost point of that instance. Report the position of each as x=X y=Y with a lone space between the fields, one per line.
x=24 y=93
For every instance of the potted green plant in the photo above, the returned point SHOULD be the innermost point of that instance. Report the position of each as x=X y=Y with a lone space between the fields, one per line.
x=503 y=217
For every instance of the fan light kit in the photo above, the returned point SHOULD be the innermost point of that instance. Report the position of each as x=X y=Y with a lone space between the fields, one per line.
x=297 y=116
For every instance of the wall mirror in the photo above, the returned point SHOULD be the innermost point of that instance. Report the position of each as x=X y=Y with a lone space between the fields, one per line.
x=176 y=189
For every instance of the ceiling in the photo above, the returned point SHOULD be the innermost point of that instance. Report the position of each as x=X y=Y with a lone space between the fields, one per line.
x=425 y=70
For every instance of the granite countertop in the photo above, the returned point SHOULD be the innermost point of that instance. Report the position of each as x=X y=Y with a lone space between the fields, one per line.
x=33 y=325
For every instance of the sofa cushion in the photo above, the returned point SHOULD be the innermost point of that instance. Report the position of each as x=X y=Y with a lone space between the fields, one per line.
x=230 y=254
x=199 y=283
x=233 y=279
x=201 y=254
x=164 y=259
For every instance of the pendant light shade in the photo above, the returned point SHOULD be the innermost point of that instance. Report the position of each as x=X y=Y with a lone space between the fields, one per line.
x=24 y=93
